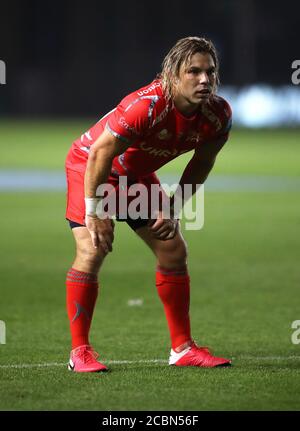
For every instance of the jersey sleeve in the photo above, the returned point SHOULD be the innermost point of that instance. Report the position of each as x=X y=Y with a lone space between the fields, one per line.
x=132 y=118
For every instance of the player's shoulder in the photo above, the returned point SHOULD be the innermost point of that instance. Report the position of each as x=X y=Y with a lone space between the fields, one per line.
x=223 y=112
x=138 y=112
x=154 y=88
x=147 y=100
x=219 y=113
x=221 y=106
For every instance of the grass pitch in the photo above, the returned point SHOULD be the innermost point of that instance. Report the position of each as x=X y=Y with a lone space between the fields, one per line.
x=244 y=267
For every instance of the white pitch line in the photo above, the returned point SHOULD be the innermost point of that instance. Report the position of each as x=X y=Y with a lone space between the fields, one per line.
x=149 y=361
x=50 y=364
x=58 y=364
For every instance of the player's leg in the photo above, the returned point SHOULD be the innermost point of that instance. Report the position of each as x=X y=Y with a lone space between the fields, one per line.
x=82 y=286
x=173 y=286
x=81 y=283
x=172 y=279
x=82 y=292
x=87 y=259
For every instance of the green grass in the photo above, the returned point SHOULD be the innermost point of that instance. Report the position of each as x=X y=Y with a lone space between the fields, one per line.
x=244 y=267
x=44 y=145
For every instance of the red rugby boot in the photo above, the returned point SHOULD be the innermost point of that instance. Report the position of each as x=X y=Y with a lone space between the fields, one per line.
x=194 y=356
x=83 y=359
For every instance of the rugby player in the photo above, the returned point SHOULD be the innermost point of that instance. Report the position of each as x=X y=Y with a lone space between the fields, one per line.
x=177 y=112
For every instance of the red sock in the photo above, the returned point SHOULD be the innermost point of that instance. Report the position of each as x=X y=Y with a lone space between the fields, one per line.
x=173 y=288
x=82 y=291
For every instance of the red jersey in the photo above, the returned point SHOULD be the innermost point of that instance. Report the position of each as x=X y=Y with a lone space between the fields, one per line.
x=156 y=131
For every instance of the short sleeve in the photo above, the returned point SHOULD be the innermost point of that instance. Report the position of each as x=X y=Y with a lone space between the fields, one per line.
x=132 y=118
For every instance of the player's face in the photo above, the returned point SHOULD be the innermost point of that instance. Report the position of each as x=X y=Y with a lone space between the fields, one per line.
x=197 y=81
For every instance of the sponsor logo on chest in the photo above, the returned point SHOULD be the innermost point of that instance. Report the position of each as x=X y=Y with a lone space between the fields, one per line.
x=161 y=152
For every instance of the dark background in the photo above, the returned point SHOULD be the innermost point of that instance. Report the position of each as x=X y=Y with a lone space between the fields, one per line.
x=80 y=58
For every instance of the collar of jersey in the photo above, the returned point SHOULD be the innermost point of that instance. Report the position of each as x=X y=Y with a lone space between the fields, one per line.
x=183 y=116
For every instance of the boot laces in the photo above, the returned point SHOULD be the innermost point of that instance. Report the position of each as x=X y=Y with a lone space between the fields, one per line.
x=87 y=354
x=205 y=349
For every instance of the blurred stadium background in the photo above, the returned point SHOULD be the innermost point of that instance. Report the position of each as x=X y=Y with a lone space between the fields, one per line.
x=67 y=64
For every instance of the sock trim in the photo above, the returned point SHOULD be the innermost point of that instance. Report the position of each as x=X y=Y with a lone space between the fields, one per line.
x=177 y=271
x=75 y=276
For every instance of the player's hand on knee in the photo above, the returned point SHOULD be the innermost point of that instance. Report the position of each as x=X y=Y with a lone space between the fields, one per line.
x=174 y=230
x=162 y=228
x=101 y=231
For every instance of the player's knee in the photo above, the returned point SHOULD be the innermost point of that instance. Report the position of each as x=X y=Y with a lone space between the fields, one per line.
x=90 y=256
x=174 y=253
x=179 y=254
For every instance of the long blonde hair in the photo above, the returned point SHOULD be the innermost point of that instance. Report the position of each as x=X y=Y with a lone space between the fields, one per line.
x=181 y=54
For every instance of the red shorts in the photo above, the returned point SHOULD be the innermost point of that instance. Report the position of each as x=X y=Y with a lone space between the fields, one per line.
x=75 y=211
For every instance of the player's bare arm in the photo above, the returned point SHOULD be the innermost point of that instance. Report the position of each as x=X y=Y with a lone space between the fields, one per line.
x=99 y=165
x=200 y=165
x=195 y=173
